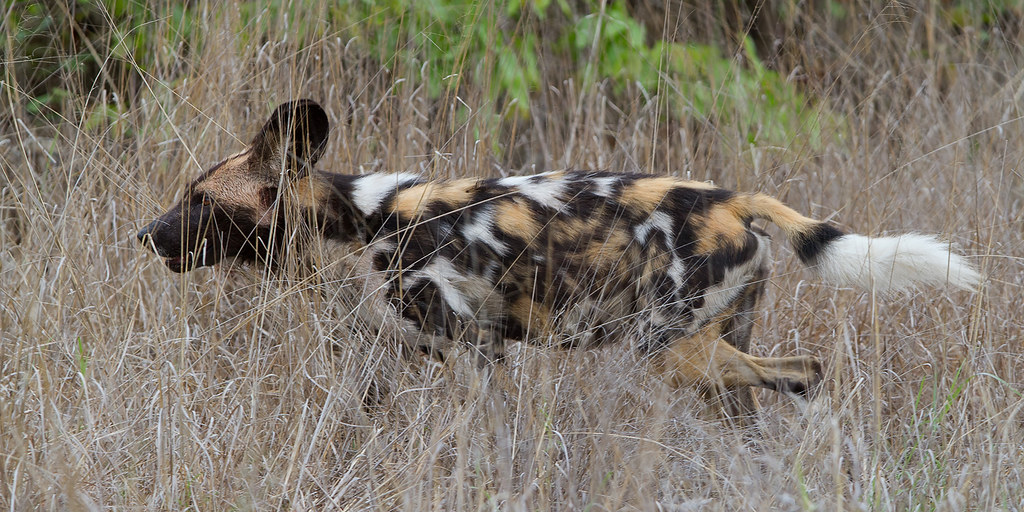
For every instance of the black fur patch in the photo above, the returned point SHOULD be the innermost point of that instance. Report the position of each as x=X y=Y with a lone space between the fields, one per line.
x=814 y=241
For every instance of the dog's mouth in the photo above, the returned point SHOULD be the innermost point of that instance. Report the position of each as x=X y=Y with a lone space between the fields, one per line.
x=179 y=263
x=189 y=260
x=178 y=255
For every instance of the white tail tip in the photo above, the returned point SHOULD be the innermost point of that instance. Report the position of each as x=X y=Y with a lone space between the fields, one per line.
x=894 y=263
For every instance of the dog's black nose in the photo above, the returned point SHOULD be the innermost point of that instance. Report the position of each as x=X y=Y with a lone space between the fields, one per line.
x=144 y=235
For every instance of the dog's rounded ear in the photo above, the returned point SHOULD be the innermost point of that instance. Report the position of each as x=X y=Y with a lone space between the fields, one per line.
x=297 y=131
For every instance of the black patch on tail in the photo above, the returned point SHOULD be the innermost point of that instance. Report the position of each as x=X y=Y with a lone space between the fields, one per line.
x=812 y=242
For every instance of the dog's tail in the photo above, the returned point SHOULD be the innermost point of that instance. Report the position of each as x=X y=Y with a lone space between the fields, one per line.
x=885 y=263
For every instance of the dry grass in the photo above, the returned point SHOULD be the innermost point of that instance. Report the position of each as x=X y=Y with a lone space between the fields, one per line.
x=124 y=386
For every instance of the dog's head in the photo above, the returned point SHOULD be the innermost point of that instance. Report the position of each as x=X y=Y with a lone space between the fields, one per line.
x=230 y=211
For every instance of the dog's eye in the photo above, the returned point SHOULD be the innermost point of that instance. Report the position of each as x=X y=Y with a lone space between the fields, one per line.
x=207 y=202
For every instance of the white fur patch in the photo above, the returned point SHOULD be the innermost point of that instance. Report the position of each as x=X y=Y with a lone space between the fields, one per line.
x=603 y=185
x=446 y=278
x=371 y=189
x=677 y=271
x=546 y=192
x=721 y=295
x=482 y=230
x=515 y=181
x=660 y=221
x=894 y=263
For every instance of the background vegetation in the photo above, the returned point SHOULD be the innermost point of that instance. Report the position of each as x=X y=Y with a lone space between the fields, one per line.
x=122 y=385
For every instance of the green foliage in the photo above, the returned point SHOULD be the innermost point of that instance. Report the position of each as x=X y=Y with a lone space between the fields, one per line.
x=448 y=42
x=451 y=41
x=984 y=16
x=962 y=13
x=88 y=47
x=92 y=50
x=620 y=49
x=83 y=358
x=758 y=102
x=697 y=80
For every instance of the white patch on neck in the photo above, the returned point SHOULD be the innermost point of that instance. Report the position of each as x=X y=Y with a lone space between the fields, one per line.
x=371 y=189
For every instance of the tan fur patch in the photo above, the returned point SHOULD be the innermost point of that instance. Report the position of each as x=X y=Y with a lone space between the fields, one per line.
x=767 y=207
x=226 y=174
x=722 y=224
x=645 y=195
x=457 y=193
x=310 y=193
x=706 y=359
x=654 y=268
x=609 y=250
x=574 y=229
x=516 y=219
x=531 y=315
x=412 y=201
x=232 y=184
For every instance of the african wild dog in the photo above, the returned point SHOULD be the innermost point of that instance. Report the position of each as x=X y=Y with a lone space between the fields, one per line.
x=673 y=264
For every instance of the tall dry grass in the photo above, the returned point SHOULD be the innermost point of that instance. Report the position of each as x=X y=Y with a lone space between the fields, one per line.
x=125 y=386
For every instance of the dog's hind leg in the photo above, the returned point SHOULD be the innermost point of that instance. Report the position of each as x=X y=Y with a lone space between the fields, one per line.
x=737 y=330
x=708 y=363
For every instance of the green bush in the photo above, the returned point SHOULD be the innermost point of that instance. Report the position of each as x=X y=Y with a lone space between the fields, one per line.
x=114 y=45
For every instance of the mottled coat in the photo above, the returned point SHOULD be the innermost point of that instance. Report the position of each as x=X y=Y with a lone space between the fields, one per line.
x=594 y=257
